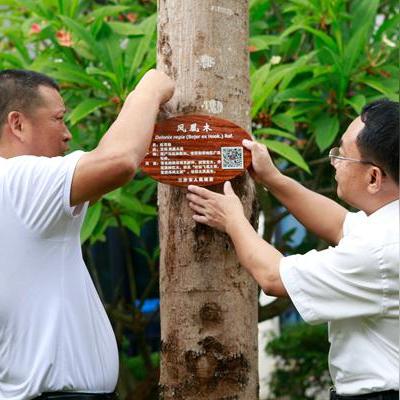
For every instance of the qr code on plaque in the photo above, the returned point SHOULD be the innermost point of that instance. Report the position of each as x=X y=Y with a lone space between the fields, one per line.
x=232 y=157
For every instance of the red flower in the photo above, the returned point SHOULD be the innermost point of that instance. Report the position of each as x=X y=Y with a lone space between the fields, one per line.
x=35 y=28
x=115 y=100
x=132 y=17
x=64 y=38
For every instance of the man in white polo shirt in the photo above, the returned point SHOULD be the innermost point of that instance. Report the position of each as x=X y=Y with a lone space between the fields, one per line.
x=56 y=341
x=354 y=286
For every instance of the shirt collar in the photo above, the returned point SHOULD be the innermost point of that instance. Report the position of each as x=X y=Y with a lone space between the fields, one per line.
x=387 y=210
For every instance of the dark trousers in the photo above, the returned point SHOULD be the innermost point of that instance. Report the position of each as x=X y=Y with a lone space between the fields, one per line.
x=76 y=396
x=386 y=395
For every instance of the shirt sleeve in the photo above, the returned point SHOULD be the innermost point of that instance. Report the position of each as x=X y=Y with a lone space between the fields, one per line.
x=352 y=219
x=40 y=189
x=337 y=283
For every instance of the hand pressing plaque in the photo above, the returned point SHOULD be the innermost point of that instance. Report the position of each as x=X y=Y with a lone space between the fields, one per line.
x=196 y=150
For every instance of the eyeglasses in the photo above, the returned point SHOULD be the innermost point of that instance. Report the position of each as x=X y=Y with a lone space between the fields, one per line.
x=334 y=154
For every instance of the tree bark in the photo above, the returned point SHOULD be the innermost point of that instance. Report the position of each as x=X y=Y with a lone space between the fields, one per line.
x=208 y=301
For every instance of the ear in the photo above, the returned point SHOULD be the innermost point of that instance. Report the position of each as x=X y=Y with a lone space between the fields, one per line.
x=15 y=121
x=375 y=177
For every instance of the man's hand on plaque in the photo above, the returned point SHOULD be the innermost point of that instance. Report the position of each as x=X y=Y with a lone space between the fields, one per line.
x=215 y=209
x=263 y=169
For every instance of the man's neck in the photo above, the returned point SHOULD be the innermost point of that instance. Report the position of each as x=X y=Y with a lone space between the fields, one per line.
x=379 y=203
x=6 y=152
x=10 y=149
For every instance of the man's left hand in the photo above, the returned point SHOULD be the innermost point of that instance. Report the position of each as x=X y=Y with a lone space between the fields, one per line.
x=214 y=209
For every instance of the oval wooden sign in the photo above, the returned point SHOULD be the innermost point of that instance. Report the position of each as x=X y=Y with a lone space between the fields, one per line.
x=196 y=150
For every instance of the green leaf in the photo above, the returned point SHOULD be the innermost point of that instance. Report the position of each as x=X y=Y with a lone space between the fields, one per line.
x=149 y=192
x=363 y=15
x=138 y=48
x=107 y=74
x=255 y=3
x=284 y=121
x=85 y=108
x=71 y=73
x=138 y=185
x=357 y=102
x=37 y=8
x=73 y=8
x=126 y=29
x=274 y=132
x=107 y=11
x=258 y=78
x=131 y=223
x=129 y=203
x=91 y=220
x=304 y=110
x=114 y=195
x=297 y=95
x=99 y=231
x=15 y=61
x=68 y=7
x=380 y=86
x=326 y=130
x=263 y=42
x=288 y=152
x=354 y=50
x=264 y=81
x=132 y=204
x=299 y=70
x=19 y=45
x=115 y=59
x=326 y=39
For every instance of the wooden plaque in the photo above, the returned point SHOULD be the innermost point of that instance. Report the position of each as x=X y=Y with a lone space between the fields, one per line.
x=196 y=150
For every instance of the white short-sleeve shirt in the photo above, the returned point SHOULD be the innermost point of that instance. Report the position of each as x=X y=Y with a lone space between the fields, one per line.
x=355 y=288
x=54 y=331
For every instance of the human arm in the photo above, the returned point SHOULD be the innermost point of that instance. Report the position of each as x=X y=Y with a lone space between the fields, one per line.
x=115 y=160
x=317 y=213
x=225 y=212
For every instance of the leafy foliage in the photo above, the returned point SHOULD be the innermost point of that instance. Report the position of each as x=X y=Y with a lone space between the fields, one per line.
x=317 y=63
x=301 y=359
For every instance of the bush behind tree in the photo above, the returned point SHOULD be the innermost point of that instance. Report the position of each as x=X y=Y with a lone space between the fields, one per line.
x=301 y=363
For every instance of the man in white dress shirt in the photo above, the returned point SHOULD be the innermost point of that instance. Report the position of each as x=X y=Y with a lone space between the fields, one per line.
x=354 y=286
x=56 y=341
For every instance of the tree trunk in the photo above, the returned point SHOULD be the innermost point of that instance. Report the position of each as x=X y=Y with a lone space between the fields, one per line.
x=208 y=301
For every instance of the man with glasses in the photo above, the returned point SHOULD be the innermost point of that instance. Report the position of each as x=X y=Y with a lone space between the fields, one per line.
x=354 y=284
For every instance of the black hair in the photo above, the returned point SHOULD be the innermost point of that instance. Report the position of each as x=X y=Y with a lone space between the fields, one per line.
x=19 y=91
x=378 y=141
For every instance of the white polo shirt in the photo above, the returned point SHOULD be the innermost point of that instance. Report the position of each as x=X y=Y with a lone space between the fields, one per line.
x=54 y=332
x=355 y=288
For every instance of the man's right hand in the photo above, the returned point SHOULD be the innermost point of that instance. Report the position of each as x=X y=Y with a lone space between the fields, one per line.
x=264 y=170
x=157 y=83
x=317 y=213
